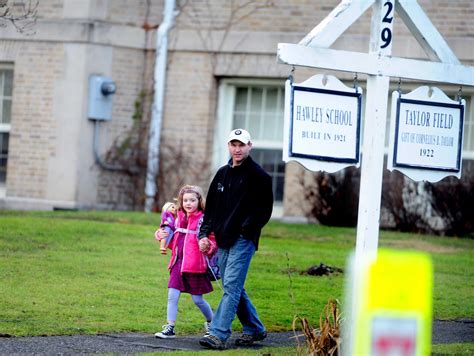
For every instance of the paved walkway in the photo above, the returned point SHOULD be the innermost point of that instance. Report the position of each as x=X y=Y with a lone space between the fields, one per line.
x=444 y=332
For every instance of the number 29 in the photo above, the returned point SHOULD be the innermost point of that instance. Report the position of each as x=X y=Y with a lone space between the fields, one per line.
x=386 y=33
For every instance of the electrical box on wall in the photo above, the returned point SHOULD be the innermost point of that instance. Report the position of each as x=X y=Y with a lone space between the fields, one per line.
x=101 y=90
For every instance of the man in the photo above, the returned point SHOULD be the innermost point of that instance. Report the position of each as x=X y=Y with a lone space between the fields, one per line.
x=239 y=203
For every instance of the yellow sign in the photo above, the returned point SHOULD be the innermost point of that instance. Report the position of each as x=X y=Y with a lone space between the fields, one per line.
x=393 y=305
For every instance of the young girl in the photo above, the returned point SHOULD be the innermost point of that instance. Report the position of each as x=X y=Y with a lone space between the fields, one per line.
x=188 y=265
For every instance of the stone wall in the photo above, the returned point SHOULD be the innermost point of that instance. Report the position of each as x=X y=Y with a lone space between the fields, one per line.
x=34 y=127
x=453 y=19
x=188 y=123
x=135 y=13
x=203 y=52
x=117 y=190
x=51 y=139
x=50 y=9
x=51 y=162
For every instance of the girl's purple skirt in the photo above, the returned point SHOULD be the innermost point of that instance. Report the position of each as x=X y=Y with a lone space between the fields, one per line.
x=192 y=283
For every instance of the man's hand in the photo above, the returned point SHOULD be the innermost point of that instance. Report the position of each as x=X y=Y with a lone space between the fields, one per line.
x=204 y=245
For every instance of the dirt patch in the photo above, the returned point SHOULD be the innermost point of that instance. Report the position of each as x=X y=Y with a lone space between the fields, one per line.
x=322 y=270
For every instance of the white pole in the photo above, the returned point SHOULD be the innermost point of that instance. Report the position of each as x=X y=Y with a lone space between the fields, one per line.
x=374 y=135
x=158 y=103
x=368 y=222
x=371 y=175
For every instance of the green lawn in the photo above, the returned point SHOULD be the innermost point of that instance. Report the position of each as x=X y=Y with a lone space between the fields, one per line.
x=91 y=272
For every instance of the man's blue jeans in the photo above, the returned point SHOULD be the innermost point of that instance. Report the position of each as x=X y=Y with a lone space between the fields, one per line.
x=234 y=264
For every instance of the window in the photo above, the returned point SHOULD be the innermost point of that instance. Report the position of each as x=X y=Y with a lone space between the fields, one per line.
x=257 y=106
x=6 y=86
x=468 y=144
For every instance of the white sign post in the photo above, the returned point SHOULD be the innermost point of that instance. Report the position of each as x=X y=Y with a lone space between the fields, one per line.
x=379 y=65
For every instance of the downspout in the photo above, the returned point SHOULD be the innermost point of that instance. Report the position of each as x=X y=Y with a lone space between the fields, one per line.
x=158 y=103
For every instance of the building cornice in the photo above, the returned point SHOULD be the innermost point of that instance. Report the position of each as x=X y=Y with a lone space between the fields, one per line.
x=79 y=31
x=244 y=42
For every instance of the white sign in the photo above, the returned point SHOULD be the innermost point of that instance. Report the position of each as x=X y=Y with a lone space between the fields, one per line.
x=427 y=134
x=323 y=124
x=394 y=336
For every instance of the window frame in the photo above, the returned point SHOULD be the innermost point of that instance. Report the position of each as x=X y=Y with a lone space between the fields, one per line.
x=5 y=128
x=225 y=107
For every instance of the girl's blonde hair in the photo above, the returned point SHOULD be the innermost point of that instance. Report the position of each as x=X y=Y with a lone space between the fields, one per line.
x=167 y=206
x=192 y=189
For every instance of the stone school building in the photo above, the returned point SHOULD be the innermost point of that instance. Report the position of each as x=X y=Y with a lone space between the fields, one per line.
x=221 y=73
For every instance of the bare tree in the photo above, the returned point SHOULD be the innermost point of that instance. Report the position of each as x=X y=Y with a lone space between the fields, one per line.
x=177 y=164
x=19 y=13
x=237 y=12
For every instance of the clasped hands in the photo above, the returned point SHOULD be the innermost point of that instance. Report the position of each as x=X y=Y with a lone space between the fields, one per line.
x=204 y=244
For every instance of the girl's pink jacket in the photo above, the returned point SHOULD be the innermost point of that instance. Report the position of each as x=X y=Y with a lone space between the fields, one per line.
x=193 y=259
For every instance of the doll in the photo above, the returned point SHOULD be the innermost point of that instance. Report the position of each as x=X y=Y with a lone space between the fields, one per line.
x=168 y=216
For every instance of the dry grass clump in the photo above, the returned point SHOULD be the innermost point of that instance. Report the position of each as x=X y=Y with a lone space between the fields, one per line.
x=326 y=340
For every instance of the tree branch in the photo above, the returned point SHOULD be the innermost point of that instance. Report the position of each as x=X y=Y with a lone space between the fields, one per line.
x=22 y=15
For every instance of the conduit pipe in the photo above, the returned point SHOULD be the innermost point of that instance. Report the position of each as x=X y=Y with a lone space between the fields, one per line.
x=158 y=103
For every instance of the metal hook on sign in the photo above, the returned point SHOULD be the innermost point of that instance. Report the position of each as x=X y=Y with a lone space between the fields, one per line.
x=290 y=76
x=399 y=87
x=325 y=79
x=430 y=92
x=459 y=96
x=356 y=84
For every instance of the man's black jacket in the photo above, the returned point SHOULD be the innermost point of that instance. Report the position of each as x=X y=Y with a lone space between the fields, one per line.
x=239 y=202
